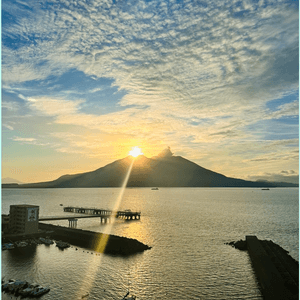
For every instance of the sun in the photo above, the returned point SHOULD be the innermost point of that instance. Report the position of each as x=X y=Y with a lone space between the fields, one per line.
x=136 y=151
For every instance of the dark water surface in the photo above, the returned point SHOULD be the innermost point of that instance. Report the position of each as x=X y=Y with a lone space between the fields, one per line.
x=187 y=228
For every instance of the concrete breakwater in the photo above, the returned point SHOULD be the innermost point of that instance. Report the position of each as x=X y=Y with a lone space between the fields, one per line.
x=99 y=242
x=276 y=271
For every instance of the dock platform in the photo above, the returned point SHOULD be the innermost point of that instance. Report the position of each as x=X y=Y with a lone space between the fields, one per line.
x=104 y=213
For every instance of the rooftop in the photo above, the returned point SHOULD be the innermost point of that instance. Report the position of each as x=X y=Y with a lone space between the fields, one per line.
x=24 y=205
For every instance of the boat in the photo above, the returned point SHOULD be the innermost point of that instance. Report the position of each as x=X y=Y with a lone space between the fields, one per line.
x=267 y=189
x=21 y=244
x=155 y=189
x=46 y=241
x=61 y=204
x=27 y=291
x=39 y=291
x=10 y=287
x=24 y=289
x=62 y=245
x=19 y=285
x=6 y=286
x=8 y=246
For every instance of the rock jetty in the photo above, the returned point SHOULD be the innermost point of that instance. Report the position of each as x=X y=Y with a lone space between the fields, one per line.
x=95 y=241
x=276 y=271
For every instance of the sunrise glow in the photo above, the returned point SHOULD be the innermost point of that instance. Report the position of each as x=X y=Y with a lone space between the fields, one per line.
x=136 y=151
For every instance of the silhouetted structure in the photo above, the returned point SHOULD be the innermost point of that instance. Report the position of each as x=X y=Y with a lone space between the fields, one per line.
x=24 y=218
x=164 y=170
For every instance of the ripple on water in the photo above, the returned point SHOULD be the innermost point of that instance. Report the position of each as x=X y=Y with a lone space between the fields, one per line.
x=187 y=229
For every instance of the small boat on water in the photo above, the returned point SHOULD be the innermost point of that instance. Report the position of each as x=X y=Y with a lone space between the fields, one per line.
x=24 y=288
x=14 y=286
x=266 y=189
x=46 y=241
x=8 y=246
x=26 y=292
x=61 y=204
x=62 y=245
x=39 y=291
x=21 y=244
x=155 y=189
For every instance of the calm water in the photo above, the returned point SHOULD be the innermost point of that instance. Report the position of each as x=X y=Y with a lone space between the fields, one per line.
x=187 y=228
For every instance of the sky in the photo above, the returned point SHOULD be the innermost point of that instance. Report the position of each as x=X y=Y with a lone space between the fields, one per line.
x=85 y=81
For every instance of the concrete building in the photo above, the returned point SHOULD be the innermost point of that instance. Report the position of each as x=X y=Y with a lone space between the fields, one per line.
x=5 y=223
x=24 y=218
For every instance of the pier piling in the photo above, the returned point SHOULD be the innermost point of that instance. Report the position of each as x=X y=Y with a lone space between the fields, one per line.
x=73 y=223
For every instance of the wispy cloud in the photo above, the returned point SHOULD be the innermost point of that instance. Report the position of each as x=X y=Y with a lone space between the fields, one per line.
x=54 y=107
x=20 y=139
x=8 y=126
x=193 y=75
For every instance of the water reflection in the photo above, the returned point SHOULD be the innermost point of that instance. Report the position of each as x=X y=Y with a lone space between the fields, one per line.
x=188 y=259
x=19 y=257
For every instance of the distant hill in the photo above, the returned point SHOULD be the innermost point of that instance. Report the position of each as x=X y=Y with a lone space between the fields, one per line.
x=10 y=180
x=279 y=184
x=164 y=170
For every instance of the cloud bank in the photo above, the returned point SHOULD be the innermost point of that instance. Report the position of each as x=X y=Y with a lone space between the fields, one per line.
x=202 y=77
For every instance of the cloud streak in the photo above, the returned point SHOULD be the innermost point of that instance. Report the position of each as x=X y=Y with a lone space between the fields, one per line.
x=194 y=75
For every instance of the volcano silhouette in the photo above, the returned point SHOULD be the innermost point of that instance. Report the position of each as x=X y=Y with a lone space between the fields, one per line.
x=164 y=170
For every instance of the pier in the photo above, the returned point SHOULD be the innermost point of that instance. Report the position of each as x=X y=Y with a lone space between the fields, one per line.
x=104 y=215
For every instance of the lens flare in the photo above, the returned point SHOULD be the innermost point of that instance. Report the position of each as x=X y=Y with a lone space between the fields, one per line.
x=102 y=239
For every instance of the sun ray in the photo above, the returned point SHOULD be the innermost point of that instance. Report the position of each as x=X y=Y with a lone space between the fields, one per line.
x=102 y=240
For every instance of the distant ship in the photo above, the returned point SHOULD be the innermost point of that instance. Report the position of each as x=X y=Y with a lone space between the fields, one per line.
x=154 y=189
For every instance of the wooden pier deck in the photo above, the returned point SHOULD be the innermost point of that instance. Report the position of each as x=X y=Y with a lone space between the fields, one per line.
x=104 y=215
x=99 y=212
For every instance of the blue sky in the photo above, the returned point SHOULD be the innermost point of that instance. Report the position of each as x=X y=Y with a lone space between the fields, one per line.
x=85 y=81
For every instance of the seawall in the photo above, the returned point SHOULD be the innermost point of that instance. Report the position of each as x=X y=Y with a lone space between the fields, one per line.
x=276 y=271
x=95 y=240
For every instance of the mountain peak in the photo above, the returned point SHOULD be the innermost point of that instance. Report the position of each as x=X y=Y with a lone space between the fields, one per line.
x=165 y=153
x=164 y=170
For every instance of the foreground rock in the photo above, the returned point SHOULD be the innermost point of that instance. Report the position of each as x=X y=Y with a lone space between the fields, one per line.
x=99 y=242
x=241 y=245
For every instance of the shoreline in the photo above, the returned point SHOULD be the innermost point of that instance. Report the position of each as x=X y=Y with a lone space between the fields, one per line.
x=96 y=241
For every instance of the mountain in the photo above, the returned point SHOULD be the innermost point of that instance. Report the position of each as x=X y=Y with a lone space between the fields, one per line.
x=164 y=170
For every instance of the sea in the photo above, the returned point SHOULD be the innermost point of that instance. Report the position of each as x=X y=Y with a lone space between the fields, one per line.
x=187 y=228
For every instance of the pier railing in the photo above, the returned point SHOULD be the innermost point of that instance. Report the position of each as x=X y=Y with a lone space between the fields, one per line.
x=104 y=215
x=125 y=214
